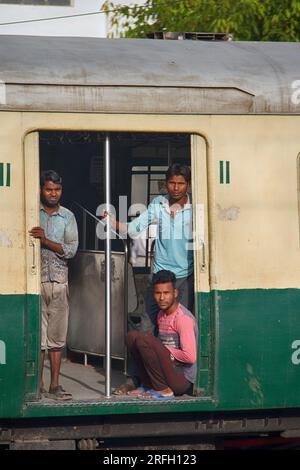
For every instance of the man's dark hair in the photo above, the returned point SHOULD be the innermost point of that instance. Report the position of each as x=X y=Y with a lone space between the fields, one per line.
x=179 y=170
x=50 y=175
x=163 y=276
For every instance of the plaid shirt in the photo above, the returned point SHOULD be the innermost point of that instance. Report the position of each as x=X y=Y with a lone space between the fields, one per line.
x=59 y=227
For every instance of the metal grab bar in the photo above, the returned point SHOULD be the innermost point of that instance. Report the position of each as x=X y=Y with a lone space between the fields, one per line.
x=107 y=273
x=124 y=240
x=86 y=211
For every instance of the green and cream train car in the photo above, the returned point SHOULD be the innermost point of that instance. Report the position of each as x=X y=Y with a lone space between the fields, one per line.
x=232 y=111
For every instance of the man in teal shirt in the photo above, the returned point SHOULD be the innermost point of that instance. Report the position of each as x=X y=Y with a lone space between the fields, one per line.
x=59 y=242
x=172 y=213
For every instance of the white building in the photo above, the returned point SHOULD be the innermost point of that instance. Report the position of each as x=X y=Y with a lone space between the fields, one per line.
x=90 y=24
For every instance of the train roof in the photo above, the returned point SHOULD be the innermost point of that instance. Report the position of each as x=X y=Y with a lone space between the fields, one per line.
x=145 y=75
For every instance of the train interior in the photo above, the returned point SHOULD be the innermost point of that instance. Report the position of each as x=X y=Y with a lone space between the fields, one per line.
x=138 y=165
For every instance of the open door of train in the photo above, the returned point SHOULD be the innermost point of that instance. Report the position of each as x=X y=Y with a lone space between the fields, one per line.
x=143 y=158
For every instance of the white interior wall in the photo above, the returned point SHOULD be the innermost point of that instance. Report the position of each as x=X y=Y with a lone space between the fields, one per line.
x=86 y=26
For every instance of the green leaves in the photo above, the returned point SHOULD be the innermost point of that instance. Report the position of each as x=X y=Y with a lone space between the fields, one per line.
x=250 y=20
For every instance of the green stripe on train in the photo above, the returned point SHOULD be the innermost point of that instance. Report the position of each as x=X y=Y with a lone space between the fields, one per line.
x=19 y=337
x=249 y=356
x=256 y=362
x=8 y=173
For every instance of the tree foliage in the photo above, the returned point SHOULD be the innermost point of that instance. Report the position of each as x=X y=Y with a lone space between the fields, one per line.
x=248 y=20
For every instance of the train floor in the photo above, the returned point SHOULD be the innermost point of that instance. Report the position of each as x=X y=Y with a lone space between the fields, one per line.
x=85 y=382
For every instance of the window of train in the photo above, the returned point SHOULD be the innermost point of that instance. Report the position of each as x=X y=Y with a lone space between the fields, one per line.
x=147 y=182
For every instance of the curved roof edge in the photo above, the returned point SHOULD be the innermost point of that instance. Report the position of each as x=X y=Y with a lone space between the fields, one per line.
x=239 y=77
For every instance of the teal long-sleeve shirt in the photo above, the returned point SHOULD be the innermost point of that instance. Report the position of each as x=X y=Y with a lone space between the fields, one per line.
x=59 y=227
x=174 y=236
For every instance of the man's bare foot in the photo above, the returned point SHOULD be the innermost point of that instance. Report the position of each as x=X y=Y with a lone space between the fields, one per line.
x=123 y=389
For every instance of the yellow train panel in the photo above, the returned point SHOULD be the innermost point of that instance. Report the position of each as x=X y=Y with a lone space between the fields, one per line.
x=253 y=224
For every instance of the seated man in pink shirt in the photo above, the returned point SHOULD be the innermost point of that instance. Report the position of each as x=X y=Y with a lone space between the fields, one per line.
x=167 y=363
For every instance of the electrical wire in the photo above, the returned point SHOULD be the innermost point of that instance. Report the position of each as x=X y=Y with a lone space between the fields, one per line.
x=58 y=17
x=79 y=14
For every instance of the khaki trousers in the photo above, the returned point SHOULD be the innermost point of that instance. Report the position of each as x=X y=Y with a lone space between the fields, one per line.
x=55 y=314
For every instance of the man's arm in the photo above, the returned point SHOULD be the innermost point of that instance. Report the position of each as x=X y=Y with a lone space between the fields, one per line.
x=142 y=222
x=115 y=224
x=38 y=232
x=70 y=243
x=68 y=248
x=137 y=226
x=188 y=348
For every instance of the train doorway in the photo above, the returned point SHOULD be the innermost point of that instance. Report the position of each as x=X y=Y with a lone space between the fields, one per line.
x=138 y=164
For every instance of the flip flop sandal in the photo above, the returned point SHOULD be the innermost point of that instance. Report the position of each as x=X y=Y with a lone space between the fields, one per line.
x=58 y=393
x=153 y=395
x=136 y=392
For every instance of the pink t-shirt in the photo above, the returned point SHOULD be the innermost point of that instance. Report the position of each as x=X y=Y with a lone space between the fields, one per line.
x=178 y=333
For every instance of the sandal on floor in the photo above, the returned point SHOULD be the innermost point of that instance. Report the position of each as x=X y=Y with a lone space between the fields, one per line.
x=154 y=395
x=136 y=392
x=43 y=391
x=58 y=393
x=123 y=389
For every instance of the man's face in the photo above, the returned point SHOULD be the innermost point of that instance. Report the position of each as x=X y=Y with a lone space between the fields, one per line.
x=51 y=193
x=177 y=187
x=165 y=295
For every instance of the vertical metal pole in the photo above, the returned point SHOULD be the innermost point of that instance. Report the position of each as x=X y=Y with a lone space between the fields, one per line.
x=148 y=230
x=125 y=306
x=84 y=230
x=107 y=273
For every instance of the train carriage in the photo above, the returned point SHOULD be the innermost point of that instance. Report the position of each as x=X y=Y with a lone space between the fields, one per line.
x=231 y=111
